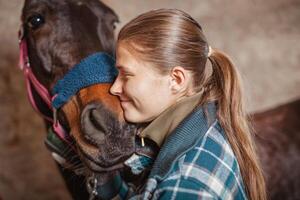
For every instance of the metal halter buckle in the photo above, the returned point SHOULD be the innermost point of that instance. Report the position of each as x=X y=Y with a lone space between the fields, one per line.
x=91 y=185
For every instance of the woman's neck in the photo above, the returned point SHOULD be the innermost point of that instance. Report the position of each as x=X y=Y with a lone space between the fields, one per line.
x=159 y=129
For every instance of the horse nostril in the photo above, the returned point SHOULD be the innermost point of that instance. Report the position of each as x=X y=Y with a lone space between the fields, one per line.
x=93 y=123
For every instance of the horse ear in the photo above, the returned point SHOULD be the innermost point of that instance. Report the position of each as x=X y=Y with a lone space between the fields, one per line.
x=106 y=25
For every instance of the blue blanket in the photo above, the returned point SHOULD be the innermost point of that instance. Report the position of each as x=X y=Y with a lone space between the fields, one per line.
x=96 y=68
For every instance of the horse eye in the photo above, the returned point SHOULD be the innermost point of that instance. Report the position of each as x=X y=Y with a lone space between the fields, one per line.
x=114 y=25
x=35 y=21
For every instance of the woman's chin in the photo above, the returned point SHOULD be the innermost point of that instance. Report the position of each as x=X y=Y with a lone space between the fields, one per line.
x=129 y=113
x=134 y=115
x=131 y=117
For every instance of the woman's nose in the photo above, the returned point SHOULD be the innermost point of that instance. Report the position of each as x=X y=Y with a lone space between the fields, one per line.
x=116 y=88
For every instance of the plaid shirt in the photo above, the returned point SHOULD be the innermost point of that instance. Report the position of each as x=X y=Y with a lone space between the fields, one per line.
x=195 y=162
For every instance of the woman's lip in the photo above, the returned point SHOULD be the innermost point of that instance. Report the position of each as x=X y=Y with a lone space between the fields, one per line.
x=124 y=100
x=124 y=103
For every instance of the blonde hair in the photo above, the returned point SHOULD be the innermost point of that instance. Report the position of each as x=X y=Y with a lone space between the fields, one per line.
x=170 y=37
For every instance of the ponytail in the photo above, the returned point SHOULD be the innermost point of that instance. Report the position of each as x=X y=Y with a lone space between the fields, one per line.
x=224 y=86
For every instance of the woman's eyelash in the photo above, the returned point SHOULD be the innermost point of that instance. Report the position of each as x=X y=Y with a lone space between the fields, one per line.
x=127 y=74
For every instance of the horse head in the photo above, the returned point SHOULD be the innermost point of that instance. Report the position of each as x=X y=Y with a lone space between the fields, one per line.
x=59 y=34
x=56 y=31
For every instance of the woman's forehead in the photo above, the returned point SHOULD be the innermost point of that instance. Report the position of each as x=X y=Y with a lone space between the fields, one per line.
x=127 y=58
x=124 y=59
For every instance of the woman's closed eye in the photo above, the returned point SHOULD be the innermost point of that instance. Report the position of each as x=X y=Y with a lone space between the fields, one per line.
x=128 y=74
x=125 y=74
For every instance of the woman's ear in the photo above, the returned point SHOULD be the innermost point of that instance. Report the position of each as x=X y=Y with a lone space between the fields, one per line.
x=178 y=79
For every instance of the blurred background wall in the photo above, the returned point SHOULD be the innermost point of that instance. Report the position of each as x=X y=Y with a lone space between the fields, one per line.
x=262 y=37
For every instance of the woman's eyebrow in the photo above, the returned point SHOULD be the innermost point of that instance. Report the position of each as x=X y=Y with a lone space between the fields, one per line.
x=121 y=67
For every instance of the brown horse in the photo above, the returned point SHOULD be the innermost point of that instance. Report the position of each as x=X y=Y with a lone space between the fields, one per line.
x=60 y=33
x=278 y=143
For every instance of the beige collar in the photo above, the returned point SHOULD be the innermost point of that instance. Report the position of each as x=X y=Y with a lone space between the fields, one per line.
x=168 y=120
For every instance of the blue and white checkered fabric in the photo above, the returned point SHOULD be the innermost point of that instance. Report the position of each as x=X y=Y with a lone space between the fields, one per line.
x=195 y=162
x=138 y=163
x=208 y=171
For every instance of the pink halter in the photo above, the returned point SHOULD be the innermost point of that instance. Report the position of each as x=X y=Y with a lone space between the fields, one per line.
x=31 y=80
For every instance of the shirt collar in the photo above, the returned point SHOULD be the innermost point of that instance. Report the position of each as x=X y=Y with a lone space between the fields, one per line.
x=185 y=137
x=165 y=123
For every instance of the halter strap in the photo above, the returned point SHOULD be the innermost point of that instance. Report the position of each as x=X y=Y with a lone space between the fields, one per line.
x=32 y=83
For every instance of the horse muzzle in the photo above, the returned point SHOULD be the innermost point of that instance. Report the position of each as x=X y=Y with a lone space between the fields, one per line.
x=97 y=126
x=103 y=138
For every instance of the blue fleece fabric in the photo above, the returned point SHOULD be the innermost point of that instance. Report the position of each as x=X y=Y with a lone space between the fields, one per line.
x=96 y=68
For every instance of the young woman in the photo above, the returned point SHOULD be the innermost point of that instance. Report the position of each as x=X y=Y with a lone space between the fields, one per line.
x=189 y=95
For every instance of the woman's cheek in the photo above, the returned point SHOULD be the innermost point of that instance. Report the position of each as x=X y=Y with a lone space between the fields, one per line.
x=128 y=88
